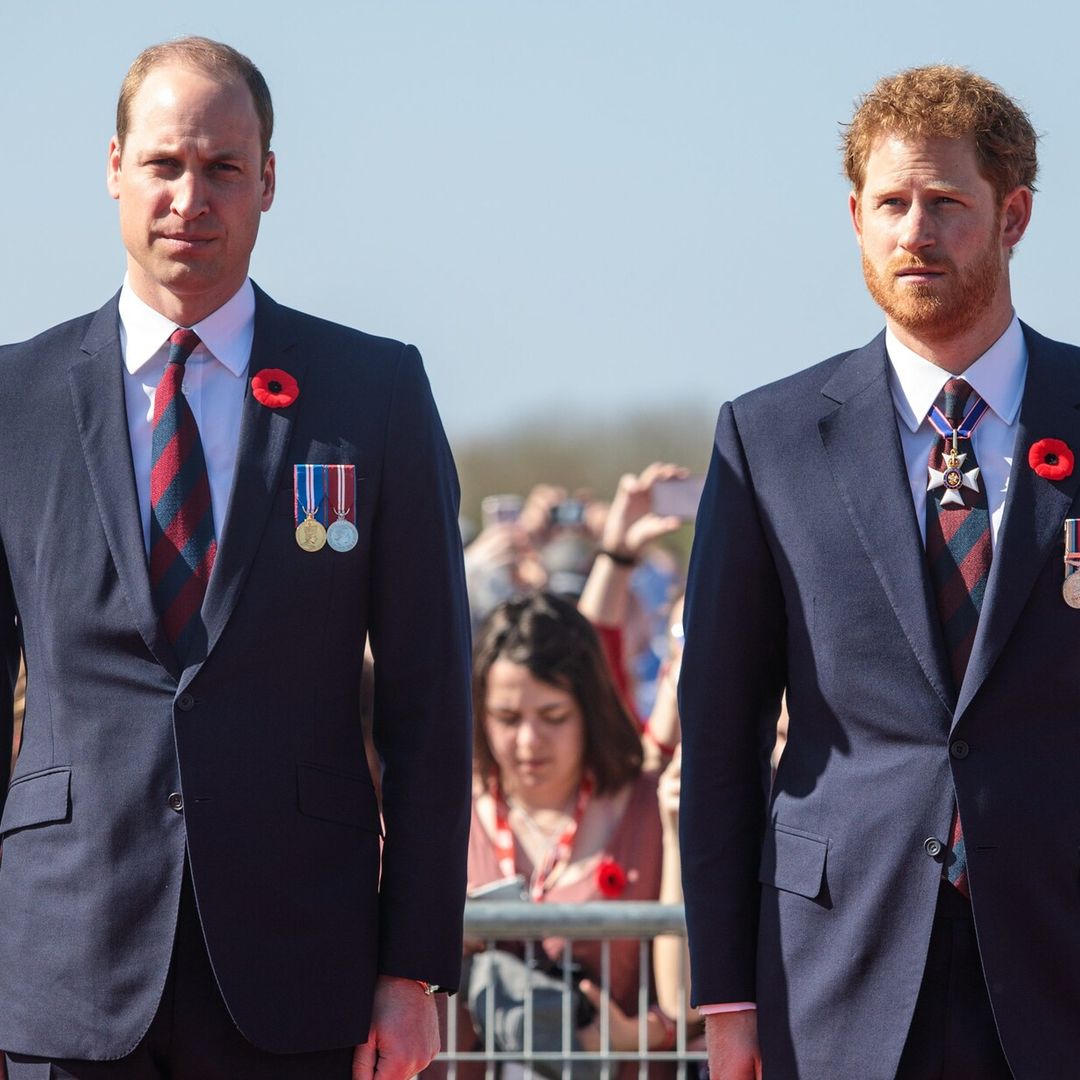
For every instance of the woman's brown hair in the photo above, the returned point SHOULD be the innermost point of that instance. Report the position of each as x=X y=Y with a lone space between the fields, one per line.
x=558 y=645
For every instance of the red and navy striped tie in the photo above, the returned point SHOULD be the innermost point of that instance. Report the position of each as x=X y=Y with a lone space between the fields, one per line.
x=182 y=542
x=958 y=549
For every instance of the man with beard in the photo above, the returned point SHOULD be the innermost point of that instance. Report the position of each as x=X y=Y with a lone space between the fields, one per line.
x=881 y=537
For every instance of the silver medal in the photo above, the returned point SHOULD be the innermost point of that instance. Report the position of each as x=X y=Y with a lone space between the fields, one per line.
x=342 y=535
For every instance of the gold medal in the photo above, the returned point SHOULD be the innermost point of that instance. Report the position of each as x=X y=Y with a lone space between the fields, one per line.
x=310 y=534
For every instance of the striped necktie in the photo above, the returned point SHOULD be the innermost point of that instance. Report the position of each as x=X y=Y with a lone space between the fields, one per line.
x=958 y=550
x=182 y=543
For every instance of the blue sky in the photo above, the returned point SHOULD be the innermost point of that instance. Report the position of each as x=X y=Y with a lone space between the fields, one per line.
x=585 y=206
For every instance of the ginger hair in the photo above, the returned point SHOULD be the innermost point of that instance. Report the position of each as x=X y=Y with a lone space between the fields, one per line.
x=946 y=102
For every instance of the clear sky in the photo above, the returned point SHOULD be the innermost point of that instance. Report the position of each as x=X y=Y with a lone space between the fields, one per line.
x=586 y=205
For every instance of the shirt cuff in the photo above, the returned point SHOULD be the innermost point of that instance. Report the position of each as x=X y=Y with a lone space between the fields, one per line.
x=738 y=1006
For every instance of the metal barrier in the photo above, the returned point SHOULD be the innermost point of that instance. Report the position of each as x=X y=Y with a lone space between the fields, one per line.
x=518 y=921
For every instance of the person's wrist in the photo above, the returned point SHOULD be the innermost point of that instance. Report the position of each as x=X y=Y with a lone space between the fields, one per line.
x=622 y=557
x=665 y=1027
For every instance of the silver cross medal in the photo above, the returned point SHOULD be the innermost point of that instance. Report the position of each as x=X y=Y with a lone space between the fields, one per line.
x=953 y=478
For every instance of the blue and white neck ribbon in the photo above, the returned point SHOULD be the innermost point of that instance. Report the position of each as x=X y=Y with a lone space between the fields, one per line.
x=940 y=422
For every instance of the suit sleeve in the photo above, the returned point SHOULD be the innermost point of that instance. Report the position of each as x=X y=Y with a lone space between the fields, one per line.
x=420 y=638
x=730 y=688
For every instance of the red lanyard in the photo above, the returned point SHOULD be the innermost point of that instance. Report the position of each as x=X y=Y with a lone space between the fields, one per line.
x=558 y=854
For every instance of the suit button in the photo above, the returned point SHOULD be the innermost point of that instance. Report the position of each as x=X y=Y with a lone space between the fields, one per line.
x=932 y=846
x=176 y=801
x=185 y=702
x=959 y=749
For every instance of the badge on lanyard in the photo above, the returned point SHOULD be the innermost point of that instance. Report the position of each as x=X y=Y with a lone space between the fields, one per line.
x=309 y=506
x=341 y=534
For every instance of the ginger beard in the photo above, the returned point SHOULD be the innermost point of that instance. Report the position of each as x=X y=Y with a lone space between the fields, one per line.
x=947 y=307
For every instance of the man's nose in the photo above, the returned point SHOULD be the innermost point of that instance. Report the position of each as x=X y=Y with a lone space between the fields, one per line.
x=188 y=196
x=916 y=233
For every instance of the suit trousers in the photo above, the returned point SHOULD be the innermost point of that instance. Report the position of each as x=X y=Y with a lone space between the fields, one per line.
x=192 y=1036
x=953 y=1035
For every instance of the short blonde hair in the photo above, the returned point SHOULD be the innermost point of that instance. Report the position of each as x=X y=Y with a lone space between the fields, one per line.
x=213 y=58
x=951 y=103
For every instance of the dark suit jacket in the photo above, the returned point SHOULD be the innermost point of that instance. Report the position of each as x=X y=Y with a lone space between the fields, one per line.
x=261 y=734
x=808 y=573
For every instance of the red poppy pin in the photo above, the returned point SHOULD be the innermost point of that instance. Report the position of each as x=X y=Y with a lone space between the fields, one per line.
x=274 y=388
x=611 y=878
x=1051 y=459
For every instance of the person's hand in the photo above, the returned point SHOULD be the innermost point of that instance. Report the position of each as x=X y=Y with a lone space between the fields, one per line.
x=732 y=1042
x=623 y=1030
x=495 y=546
x=667 y=793
x=404 y=1034
x=631 y=524
x=535 y=516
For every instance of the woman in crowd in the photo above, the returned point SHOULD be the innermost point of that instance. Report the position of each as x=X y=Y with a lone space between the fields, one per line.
x=561 y=801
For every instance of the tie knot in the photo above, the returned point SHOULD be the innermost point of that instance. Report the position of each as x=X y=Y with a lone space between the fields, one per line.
x=953 y=400
x=181 y=345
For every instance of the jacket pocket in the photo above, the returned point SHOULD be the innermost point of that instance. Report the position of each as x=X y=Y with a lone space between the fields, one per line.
x=336 y=796
x=793 y=860
x=39 y=798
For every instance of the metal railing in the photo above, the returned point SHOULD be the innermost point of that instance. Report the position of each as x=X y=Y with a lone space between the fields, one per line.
x=494 y=921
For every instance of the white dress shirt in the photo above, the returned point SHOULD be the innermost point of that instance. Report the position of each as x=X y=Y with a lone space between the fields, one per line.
x=997 y=377
x=214 y=385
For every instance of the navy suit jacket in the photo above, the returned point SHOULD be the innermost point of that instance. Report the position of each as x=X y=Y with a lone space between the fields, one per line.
x=260 y=731
x=808 y=574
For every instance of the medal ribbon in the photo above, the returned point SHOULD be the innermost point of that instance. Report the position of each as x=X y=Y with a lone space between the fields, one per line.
x=1072 y=546
x=342 y=475
x=558 y=854
x=310 y=477
x=941 y=425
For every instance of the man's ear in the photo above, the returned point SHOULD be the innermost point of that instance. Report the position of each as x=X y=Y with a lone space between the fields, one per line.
x=269 y=180
x=112 y=169
x=855 y=209
x=1015 y=215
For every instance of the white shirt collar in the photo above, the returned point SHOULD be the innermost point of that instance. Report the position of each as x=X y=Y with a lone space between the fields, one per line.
x=997 y=377
x=227 y=333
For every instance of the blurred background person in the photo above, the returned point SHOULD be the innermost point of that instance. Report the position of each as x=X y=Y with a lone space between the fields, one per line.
x=561 y=804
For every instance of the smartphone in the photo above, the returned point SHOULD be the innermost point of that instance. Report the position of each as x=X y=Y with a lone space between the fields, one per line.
x=500 y=509
x=678 y=498
x=570 y=512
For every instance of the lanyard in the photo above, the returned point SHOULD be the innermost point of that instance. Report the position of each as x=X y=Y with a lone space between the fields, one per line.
x=558 y=854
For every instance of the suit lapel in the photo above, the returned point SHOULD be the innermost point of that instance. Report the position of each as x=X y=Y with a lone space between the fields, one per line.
x=1035 y=509
x=97 y=388
x=264 y=441
x=863 y=446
